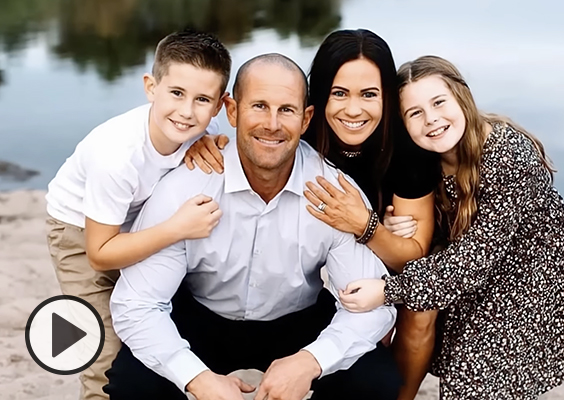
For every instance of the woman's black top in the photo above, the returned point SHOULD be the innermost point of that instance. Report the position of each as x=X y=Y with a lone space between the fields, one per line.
x=411 y=174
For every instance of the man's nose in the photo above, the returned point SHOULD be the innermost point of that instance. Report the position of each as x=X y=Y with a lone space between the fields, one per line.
x=273 y=121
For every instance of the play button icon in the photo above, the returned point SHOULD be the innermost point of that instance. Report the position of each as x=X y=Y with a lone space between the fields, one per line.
x=64 y=335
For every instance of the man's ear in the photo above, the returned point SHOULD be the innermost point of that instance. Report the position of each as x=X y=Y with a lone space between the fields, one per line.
x=231 y=110
x=220 y=103
x=149 y=84
x=308 y=114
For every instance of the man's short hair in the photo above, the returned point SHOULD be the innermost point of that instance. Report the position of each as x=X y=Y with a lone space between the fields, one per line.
x=270 y=58
x=200 y=49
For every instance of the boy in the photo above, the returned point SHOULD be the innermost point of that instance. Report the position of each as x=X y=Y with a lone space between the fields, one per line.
x=99 y=190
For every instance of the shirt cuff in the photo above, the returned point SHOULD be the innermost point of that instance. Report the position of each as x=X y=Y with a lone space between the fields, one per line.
x=183 y=367
x=326 y=353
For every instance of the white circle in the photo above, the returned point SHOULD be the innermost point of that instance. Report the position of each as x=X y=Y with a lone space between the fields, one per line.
x=79 y=353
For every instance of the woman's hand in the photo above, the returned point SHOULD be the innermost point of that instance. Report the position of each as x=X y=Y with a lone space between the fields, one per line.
x=403 y=226
x=205 y=153
x=363 y=295
x=344 y=211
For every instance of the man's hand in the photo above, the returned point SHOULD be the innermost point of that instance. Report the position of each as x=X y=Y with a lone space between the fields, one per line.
x=289 y=378
x=211 y=386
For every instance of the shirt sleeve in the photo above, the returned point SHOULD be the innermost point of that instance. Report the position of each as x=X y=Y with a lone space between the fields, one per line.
x=109 y=190
x=350 y=335
x=413 y=172
x=141 y=301
x=464 y=266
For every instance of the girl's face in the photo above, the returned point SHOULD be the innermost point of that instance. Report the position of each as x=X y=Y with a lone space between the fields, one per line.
x=354 y=108
x=432 y=115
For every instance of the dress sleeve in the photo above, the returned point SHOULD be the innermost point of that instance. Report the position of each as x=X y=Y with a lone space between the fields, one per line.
x=436 y=281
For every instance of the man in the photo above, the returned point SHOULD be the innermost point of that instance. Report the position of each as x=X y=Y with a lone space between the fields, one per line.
x=251 y=295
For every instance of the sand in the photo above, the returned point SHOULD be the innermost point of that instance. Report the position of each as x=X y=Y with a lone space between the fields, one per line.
x=27 y=278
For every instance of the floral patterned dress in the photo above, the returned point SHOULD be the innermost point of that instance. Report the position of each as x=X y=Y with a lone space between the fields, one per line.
x=501 y=285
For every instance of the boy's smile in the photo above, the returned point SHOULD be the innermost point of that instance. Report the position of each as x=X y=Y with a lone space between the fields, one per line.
x=184 y=101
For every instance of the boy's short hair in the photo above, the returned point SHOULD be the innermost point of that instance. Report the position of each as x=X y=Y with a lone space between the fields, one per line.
x=202 y=50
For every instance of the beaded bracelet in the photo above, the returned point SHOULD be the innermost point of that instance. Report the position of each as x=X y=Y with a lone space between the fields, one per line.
x=371 y=226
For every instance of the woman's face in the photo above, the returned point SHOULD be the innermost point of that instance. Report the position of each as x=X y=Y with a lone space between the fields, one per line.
x=432 y=115
x=354 y=108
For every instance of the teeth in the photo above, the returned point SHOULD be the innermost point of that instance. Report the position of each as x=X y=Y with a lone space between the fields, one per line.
x=353 y=125
x=269 y=141
x=437 y=132
x=180 y=126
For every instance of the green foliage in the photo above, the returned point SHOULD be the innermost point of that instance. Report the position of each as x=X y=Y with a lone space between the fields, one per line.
x=114 y=35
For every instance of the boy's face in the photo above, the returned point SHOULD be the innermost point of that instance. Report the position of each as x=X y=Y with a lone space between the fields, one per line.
x=184 y=101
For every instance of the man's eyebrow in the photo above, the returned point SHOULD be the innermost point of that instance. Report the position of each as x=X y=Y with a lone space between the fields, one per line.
x=289 y=105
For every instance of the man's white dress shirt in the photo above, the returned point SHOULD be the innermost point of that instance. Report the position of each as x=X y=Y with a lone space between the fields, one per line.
x=261 y=262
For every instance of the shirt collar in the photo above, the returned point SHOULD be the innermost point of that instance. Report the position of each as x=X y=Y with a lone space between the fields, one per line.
x=236 y=181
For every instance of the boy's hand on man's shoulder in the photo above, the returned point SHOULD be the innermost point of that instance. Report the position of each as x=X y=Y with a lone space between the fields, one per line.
x=195 y=219
x=205 y=153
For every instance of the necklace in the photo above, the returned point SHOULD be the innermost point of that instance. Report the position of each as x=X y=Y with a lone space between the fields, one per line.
x=351 y=154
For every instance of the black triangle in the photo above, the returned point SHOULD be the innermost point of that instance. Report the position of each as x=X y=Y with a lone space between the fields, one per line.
x=64 y=334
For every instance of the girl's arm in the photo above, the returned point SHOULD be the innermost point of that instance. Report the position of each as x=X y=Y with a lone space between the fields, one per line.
x=511 y=176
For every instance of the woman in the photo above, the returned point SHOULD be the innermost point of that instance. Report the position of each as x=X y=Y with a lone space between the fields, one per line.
x=501 y=279
x=356 y=127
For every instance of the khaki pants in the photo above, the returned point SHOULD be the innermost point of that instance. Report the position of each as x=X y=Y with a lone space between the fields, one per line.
x=67 y=247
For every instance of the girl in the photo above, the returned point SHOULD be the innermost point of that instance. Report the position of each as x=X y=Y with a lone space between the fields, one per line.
x=500 y=281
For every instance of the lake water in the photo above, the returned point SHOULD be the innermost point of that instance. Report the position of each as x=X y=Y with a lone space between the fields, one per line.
x=68 y=65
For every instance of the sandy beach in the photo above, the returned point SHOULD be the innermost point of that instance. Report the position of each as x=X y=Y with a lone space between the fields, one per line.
x=26 y=279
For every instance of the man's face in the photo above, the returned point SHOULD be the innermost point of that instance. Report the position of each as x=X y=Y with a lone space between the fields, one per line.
x=269 y=116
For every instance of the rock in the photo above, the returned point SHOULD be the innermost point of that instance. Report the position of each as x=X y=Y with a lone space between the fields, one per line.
x=15 y=172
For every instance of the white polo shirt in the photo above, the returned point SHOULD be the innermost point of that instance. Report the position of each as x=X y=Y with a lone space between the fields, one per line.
x=112 y=171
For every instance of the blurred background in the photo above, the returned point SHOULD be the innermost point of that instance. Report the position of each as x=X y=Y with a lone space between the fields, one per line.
x=69 y=65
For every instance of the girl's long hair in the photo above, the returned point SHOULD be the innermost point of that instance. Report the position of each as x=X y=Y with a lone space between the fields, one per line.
x=469 y=149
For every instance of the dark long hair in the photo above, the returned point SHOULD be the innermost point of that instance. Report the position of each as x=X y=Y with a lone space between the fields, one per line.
x=337 y=49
